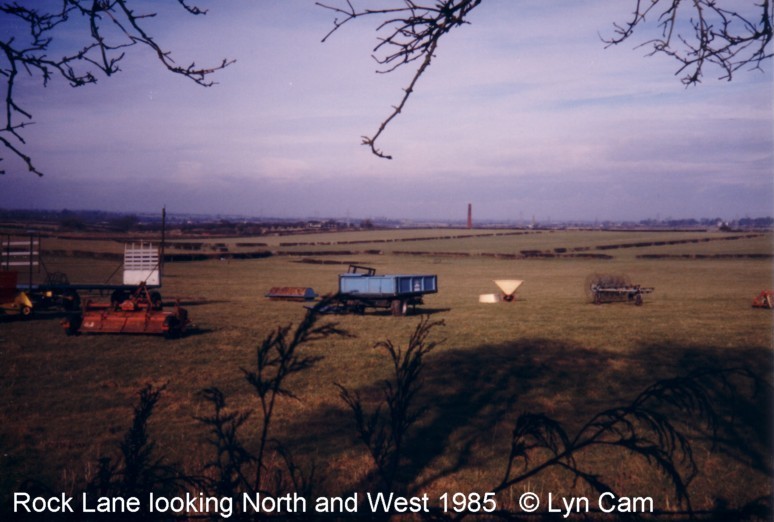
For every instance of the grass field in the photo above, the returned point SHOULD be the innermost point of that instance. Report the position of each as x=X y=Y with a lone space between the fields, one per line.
x=67 y=400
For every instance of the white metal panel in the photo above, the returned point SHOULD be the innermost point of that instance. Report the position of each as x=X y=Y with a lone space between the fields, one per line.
x=20 y=253
x=141 y=264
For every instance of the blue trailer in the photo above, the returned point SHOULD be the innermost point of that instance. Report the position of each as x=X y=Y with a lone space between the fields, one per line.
x=361 y=288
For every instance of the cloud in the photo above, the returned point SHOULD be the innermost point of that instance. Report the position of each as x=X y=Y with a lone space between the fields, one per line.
x=524 y=111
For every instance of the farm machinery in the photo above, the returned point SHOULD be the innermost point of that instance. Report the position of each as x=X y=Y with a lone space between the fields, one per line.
x=764 y=300
x=18 y=256
x=26 y=300
x=360 y=288
x=139 y=312
x=55 y=291
x=605 y=288
x=13 y=300
x=507 y=288
x=135 y=305
x=291 y=293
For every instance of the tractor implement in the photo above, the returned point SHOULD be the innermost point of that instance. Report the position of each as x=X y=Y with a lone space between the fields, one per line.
x=764 y=300
x=623 y=293
x=508 y=288
x=605 y=288
x=13 y=300
x=360 y=288
x=140 y=313
x=291 y=293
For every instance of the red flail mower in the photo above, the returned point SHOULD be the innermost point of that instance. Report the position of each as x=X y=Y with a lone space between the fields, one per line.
x=137 y=313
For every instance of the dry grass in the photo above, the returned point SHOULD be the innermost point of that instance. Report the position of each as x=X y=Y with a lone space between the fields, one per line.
x=66 y=400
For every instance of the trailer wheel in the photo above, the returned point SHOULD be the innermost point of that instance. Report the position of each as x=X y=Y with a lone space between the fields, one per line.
x=156 y=301
x=25 y=311
x=172 y=328
x=399 y=307
x=71 y=301
x=73 y=324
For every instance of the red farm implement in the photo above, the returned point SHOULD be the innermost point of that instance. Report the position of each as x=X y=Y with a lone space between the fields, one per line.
x=138 y=313
x=764 y=300
x=291 y=293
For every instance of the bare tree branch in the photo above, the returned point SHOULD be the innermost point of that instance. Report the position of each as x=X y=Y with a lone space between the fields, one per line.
x=701 y=32
x=693 y=32
x=647 y=428
x=113 y=28
x=406 y=34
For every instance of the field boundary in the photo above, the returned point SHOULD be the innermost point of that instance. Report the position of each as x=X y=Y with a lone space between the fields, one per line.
x=705 y=256
x=406 y=239
x=222 y=251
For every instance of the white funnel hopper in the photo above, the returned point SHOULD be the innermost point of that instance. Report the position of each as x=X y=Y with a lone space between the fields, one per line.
x=508 y=286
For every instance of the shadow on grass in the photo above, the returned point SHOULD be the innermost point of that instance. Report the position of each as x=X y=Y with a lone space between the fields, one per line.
x=196 y=331
x=473 y=397
x=46 y=315
x=420 y=311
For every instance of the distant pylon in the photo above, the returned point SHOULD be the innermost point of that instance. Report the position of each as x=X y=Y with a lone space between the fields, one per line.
x=470 y=215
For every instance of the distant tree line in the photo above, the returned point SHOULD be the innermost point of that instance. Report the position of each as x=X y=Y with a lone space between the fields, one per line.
x=99 y=220
x=761 y=222
x=756 y=222
x=104 y=221
x=78 y=219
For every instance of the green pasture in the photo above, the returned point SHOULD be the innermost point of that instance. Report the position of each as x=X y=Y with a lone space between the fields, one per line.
x=67 y=400
x=470 y=240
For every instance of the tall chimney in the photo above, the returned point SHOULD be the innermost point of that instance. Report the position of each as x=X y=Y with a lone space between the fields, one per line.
x=470 y=216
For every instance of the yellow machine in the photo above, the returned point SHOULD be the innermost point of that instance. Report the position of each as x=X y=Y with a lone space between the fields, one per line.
x=13 y=300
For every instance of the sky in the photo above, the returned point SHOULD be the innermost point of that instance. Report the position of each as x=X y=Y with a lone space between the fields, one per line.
x=524 y=113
